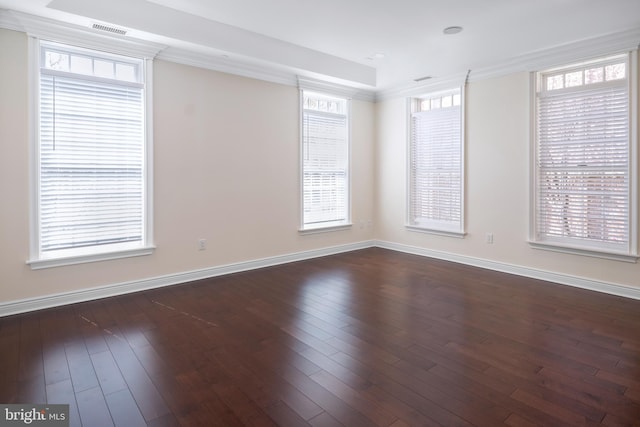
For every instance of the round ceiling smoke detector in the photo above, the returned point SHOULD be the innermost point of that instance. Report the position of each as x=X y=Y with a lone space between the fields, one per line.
x=452 y=30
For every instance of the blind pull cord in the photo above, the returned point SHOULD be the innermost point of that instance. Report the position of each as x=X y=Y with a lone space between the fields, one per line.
x=54 y=113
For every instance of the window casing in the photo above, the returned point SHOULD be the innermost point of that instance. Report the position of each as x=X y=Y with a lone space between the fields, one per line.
x=91 y=157
x=584 y=170
x=325 y=132
x=436 y=163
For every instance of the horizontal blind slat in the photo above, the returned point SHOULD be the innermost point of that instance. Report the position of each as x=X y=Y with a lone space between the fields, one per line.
x=91 y=163
x=325 y=167
x=435 y=168
x=583 y=164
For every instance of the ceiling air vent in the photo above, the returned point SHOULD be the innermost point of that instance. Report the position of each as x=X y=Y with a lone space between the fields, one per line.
x=421 y=79
x=109 y=29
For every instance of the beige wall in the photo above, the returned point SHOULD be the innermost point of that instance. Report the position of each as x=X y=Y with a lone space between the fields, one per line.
x=226 y=169
x=497 y=186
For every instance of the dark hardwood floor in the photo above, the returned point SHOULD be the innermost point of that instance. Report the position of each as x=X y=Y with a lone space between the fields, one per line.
x=371 y=337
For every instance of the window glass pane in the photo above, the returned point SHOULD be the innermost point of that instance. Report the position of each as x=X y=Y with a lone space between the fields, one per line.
x=126 y=72
x=555 y=82
x=103 y=69
x=56 y=61
x=573 y=79
x=436 y=171
x=91 y=156
x=325 y=154
x=594 y=75
x=425 y=105
x=81 y=65
x=615 y=72
x=583 y=160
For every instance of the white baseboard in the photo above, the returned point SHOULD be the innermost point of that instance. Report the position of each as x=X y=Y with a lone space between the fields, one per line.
x=56 y=300
x=562 y=279
x=48 y=301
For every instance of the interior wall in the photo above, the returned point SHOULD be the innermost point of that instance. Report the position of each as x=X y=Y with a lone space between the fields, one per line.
x=226 y=169
x=497 y=186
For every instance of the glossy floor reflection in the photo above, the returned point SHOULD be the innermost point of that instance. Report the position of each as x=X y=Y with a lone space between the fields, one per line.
x=371 y=337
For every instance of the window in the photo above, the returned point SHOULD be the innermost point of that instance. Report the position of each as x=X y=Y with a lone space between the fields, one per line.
x=436 y=163
x=91 y=170
x=583 y=157
x=325 y=161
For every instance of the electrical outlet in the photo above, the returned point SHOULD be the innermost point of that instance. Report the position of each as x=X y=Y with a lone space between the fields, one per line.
x=202 y=244
x=489 y=238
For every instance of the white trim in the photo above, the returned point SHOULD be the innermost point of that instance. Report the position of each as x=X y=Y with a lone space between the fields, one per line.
x=584 y=252
x=619 y=42
x=36 y=259
x=416 y=90
x=431 y=227
x=416 y=229
x=38 y=264
x=44 y=28
x=148 y=215
x=76 y=35
x=538 y=91
x=633 y=150
x=325 y=229
x=55 y=300
x=335 y=224
x=518 y=270
x=226 y=65
x=314 y=85
x=33 y=72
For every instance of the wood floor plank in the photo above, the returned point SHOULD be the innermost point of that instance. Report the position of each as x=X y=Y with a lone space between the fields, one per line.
x=123 y=409
x=147 y=397
x=369 y=337
x=62 y=393
x=83 y=375
x=93 y=408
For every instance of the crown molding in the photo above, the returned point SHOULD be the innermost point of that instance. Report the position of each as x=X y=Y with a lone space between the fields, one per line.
x=226 y=65
x=307 y=83
x=609 y=44
x=222 y=64
x=45 y=28
x=8 y=21
x=76 y=35
x=417 y=89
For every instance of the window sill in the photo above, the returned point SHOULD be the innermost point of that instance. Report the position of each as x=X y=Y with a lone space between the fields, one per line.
x=613 y=256
x=327 y=229
x=456 y=234
x=38 y=264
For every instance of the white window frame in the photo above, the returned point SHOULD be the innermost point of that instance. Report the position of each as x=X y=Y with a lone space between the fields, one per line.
x=38 y=259
x=451 y=228
x=331 y=225
x=537 y=239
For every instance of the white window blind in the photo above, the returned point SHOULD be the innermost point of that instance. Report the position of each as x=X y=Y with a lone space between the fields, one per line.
x=436 y=163
x=583 y=157
x=325 y=161
x=91 y=194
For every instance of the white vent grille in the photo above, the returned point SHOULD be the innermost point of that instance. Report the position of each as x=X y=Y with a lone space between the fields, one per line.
x=109 y=29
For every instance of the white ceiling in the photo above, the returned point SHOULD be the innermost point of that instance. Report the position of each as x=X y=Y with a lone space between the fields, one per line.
x=335 y=40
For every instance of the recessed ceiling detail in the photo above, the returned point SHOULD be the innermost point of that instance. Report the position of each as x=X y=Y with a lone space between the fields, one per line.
x=341 y=42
